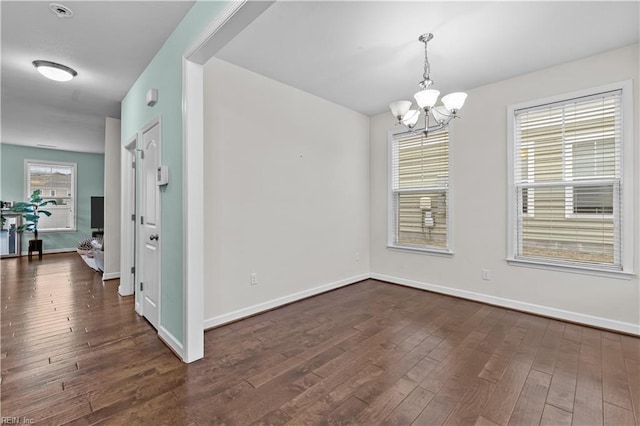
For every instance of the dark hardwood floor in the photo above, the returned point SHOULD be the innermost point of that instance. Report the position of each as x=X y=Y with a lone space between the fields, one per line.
x=73 y=351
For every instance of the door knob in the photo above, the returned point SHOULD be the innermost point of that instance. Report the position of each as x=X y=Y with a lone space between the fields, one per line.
x=154 y=237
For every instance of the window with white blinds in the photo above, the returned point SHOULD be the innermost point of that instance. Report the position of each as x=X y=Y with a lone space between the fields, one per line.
x=56 y=181
x=420 y=191
x=568 y=179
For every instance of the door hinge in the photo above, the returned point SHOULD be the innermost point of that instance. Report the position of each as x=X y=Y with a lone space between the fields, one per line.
x=133 y=164
x=141 y=220
x=141 y=286
x=142 y=154
x=133 y=217
x=133 y=269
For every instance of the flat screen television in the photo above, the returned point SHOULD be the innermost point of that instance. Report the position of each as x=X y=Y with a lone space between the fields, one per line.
x=97 y=212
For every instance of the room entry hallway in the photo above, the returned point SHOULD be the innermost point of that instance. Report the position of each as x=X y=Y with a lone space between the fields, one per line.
x=73 y=351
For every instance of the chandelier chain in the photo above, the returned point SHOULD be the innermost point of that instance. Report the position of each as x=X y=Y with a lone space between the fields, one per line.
x=426 y=76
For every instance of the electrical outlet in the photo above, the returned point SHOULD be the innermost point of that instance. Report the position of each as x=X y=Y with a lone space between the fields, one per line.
x=486 y=274
x=253 y=278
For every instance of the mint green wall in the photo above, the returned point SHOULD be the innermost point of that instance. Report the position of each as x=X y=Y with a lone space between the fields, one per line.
x=165 y=74
x=90 y=182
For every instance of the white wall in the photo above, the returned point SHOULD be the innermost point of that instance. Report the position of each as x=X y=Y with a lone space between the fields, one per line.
x=112 y=148
x=286 y=193
x=479 y=155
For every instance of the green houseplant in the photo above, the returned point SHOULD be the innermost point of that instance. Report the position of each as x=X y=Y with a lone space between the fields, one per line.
x=31 y=211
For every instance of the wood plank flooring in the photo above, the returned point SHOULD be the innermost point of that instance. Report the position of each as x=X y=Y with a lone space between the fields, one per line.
x=74 y=352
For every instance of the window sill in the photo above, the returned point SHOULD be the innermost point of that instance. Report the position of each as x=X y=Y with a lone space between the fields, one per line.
x=423 y=250
x=55 y=231
x=538 y=264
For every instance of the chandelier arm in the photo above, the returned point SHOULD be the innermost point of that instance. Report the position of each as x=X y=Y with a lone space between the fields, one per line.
x=448 y=119
x=439 y=125
x=435 y=127
x=422 y=130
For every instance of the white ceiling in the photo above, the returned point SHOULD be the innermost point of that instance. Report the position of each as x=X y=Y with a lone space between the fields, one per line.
x=364 y=55
x=109 y=44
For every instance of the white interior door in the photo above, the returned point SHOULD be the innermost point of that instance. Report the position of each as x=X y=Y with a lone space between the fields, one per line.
x=150 y=224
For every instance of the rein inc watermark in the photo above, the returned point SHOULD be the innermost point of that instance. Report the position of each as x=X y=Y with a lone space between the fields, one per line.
x=17 y=420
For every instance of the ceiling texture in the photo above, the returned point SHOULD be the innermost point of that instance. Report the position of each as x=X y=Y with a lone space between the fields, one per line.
x=109 y=44
x=359 y=54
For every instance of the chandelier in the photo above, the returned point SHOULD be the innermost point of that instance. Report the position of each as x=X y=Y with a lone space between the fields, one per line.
x=426 y=98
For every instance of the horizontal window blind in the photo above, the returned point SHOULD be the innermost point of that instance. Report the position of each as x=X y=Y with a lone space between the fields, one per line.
x=568 y=177
x=420 y=185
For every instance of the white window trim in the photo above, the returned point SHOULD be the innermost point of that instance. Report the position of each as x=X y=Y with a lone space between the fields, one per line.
x=628 y=187
x=27 y=194
x=391 y=244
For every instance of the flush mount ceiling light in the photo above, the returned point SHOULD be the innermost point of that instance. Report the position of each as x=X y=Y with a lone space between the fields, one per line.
x=54 y=71
x=426 y=98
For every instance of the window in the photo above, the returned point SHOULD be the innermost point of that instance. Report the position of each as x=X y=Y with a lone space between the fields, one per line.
x=420 y=191
x=56 y=181
x=567 y=180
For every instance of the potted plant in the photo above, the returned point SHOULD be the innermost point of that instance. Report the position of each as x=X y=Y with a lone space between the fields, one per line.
x=31 y=211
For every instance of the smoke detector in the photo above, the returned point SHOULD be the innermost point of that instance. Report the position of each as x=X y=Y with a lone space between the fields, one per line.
x=61 y=10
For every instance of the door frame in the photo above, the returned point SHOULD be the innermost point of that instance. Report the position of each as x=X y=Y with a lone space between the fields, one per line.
x=224 y=27
x=138 y=239
x=128 y=196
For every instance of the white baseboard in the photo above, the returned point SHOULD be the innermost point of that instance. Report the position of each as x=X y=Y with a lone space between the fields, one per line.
x=124 y=290
x=546 y=311
x=265 y=306
x=110 y=276
x=171 y=341
x=52 y=251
